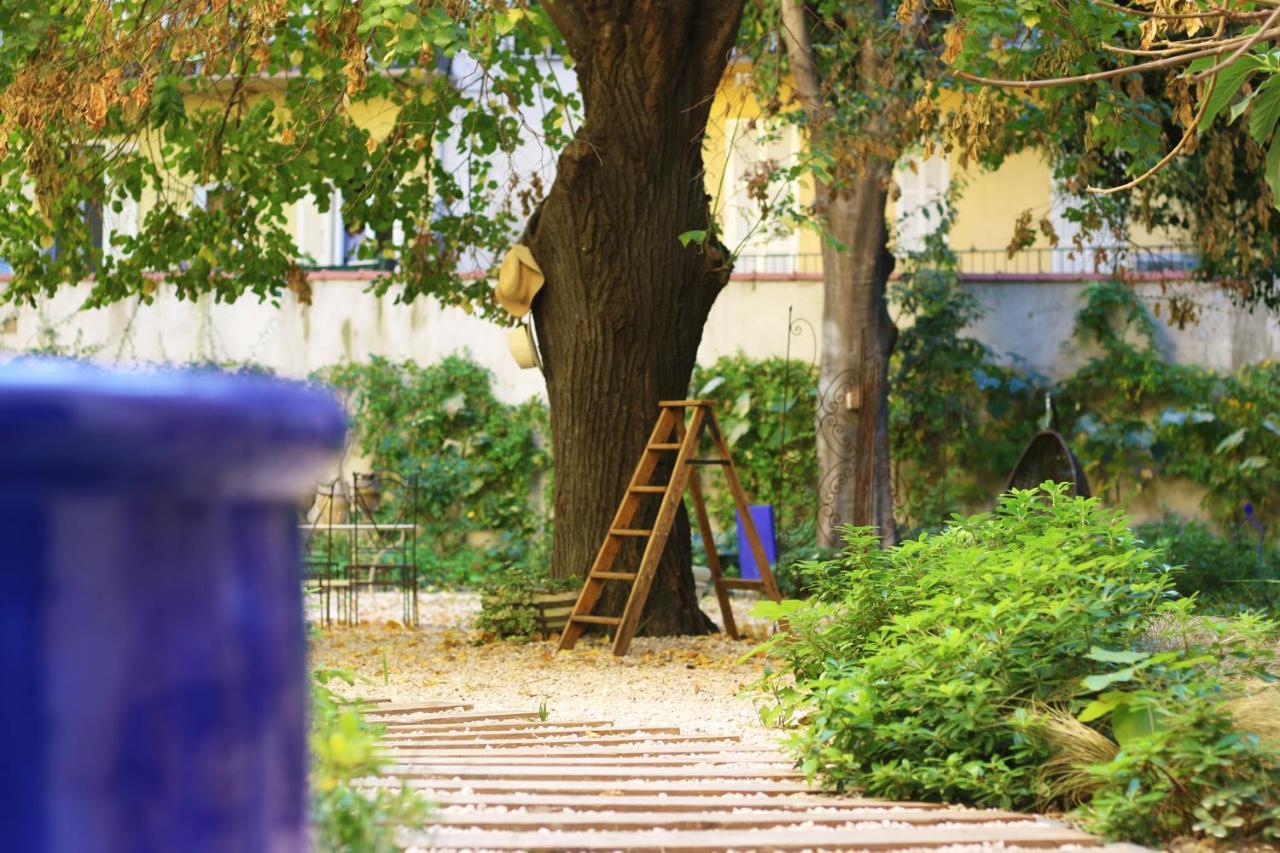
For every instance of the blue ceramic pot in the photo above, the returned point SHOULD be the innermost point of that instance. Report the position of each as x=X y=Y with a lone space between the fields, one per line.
x=151 y=628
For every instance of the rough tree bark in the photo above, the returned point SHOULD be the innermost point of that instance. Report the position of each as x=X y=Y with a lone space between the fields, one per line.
x=620 y=318
x=855 y=482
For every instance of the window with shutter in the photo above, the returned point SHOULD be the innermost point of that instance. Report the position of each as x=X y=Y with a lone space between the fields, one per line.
x=764 y=245
x=918 y=208
x=1097 y=254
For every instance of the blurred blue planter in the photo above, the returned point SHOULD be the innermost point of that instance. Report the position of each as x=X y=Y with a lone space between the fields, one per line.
x=151 y=629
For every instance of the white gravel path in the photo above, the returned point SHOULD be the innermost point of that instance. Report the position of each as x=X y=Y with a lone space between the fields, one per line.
x=690 y=682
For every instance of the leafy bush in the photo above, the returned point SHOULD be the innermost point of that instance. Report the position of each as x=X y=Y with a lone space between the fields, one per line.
x=1191 y=755
x=957 y=418
x=934 y=669
x=477 y=459
x=1226 y=573
x=344 y=748
x=1134 y=417
x=508 y=609
x=766 y=410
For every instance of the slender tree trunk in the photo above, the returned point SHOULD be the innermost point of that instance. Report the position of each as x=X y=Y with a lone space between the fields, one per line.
x=855 y=477
x=620 y=318
x=855 y=484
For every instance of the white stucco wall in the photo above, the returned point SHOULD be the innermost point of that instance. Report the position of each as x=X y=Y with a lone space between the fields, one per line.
x=1028 y=322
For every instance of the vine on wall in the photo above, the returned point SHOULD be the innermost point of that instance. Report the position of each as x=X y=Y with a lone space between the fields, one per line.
x=478 y=460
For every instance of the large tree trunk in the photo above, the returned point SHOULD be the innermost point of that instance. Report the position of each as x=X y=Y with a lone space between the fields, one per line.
x=855 y=478
x=620 y=318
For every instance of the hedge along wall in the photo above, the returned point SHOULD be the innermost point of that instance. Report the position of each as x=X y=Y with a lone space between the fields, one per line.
x=1152 y=435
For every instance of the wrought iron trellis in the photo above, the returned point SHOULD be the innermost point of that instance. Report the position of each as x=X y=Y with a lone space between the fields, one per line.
x=362 y=532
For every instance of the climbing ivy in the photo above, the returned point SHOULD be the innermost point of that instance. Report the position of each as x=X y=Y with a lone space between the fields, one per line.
x=1135 y=417
x=957 y=418
x=766 y=409
x=477 y=460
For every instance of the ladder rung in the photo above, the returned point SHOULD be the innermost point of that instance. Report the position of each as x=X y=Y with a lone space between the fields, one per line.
x=684 y=404
x=741 y=583
x=649 y=490
x=708 y=461
x=614 y=576
x=629 y=531
x=664 y=445
x=597 y=620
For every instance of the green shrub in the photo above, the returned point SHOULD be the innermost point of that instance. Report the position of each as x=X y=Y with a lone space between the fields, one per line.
x=1226 y=573
x=930 y=671
x=766 y=410
x=1192 y=758
x=1134 y=418
x=508 y=609
x=957 y=418
x=344 y=748
x=476 y=459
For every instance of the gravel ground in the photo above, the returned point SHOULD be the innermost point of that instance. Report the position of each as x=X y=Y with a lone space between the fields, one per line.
x=690 y=682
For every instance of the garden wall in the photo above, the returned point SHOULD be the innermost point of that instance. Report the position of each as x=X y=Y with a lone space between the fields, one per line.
x=1028 y=322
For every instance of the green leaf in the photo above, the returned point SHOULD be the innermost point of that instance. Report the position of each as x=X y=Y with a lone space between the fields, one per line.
x=1253 y=463
x=776 y=610
x=692 y=237
x=1272 y=172
x=1226 y=83
x=1266 y=110
x=1240 y=106
x=1131 y=721
x=1097 y=708
x=1231 y=442
x=1100 y=682
x=712 y=384
x=1107 y=656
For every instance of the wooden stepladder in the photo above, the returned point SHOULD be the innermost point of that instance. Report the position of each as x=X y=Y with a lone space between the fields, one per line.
x=671 y=434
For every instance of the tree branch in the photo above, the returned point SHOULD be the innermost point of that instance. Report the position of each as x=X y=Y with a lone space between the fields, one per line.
x=1168 y=62
x=569 y=20
x=716 y=30
x=799 y=45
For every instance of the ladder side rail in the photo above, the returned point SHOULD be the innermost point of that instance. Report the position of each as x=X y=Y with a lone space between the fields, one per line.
x=744 y=511
x=708 y=542
x=671 y=502
x=592 y=588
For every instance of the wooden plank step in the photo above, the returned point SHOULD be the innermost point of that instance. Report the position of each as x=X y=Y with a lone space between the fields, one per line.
x=421 y=769
x=614 y=576
x=629 y=531
x=597 y=620
x=389 y=709
x=704 y=787
x=454 y=719
x=432 y=742
x=648 y=490
x=664 y=445
x=473 y=728
x=539 y=735
x=608 y=820
x=478 y=759
x=872 y=837
x=684 y=404
x=741 y=583
x=784 y=803
x=702 y=752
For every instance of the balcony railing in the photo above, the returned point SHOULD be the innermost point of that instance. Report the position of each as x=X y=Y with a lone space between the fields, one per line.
x=1028 y=264
x=1062 y=263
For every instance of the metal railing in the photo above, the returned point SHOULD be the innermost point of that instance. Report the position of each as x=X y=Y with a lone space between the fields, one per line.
x=1030 y=263
x=996 y=263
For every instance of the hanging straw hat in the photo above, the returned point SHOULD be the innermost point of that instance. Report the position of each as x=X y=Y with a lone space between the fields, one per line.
x=519 y=281
x=524 y=349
